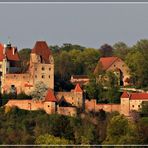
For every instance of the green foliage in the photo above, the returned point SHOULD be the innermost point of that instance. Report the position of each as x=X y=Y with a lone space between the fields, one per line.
x=121 y=131
x=39 y=91
x=137 y=60
x=112 y=91
x=144 y=108
x=104 y=88
x=120 y=50
x=73 y=62
x=94 y=88
x=143 y=130
x=106 y=50
x=51 y=140
x=23 y=96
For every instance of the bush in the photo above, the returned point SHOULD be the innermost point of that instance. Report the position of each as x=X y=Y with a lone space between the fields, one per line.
x=23 y=96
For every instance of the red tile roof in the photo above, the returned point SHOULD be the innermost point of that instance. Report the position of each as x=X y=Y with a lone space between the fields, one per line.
x=50 y=97
x=139 y=96
x=135 y=96
x=11 y=53
x=125 y=95
x=78 y=88
x=107 y=62
x=1 y=52
x=41 y=48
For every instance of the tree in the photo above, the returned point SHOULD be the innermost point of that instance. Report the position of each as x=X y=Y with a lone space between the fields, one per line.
x=121 y=131
x=51 y=140
x=39 y=91
x=106 y=50
x=94 y=88
x=120 y=50
x=143 y=130
x=112 y=88
x=138 y=68
x=25 y=57
x=144 y=108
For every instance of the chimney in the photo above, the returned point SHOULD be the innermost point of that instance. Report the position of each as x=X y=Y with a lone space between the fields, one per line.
x=13 y=50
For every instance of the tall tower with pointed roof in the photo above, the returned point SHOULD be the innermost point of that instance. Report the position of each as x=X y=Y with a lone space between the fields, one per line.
x=78 y=93
x=42 y=64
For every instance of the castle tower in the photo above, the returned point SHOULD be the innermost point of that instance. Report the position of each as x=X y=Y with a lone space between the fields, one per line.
x=125 y=103
x=50 y=102
x=42 y=64
x=78 y=93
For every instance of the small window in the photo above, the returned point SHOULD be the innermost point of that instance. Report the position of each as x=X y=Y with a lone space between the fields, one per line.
x=43 y=68
x=122 y=65
x=133 y=106
x=48 y=106
x=139 y=106
x=49 y=69
x=43 y=76
x=35 y=69
x=49 y=76
x=35 y=76
x=114 y=65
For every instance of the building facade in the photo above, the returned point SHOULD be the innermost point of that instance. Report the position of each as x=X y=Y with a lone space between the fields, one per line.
x=117 y=66
x=41 y=69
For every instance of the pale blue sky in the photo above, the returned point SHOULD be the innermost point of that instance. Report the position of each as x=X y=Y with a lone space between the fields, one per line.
x=90 y=25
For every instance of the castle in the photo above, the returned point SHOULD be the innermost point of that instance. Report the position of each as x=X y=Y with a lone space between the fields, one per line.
x=41 y=69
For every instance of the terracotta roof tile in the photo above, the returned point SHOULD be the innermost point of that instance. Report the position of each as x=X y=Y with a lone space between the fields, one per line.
x=135 y=96
x=11 y=53
x=1 y=52
x=107 y=62
x=50 y=97
x=125 y=95
x=139 y=96
x=78 y=88
x=41 y=48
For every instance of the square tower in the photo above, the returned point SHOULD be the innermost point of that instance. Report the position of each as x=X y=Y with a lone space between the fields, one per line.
x=42 y=64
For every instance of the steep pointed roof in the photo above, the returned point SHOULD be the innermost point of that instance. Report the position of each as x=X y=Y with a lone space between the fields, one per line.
x=41 y=48
x=50 y=97
x=78 y=88
x=125 y=95
x=107 y=62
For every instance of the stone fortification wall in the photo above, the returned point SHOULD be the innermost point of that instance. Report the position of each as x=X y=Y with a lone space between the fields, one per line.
x=69 y=111
x=25 y=104
x=93 y=106
x=20 y=81
x=74 y=98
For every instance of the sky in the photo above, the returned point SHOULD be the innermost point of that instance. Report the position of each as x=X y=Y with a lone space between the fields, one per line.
x=90 y=25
